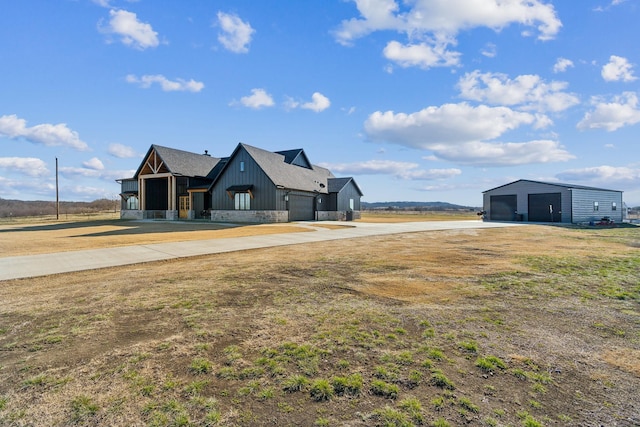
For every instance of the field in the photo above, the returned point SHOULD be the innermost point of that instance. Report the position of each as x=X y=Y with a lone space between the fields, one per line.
x=522 y=326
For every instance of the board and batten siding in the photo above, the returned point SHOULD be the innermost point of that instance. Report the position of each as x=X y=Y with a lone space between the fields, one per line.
x=522 y=189
x=263 y=190
x=583 y=201
x=347 y=193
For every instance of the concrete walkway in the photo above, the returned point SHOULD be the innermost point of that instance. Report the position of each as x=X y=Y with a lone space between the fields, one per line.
x=63 y=262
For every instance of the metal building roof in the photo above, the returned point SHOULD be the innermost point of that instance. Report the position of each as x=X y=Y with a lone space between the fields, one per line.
x=557 y=184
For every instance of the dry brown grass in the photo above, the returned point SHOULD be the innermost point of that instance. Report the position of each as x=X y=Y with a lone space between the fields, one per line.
x=565 y=323
x=410 y=216
x=38 y=235
x=38 y=238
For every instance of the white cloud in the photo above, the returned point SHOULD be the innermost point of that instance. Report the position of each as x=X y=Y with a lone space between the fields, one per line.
x=50 y=135
x=481 y=153
x=618 y=69
x=85 y=192
x=236 y=34
x=18 y=187
x=132 y=32
x=438 y=22
x=90 y=172
x=402 y=170
x=449 y=123
x=609 y=6
x=463 y=133
x=562 y=64
x=167 y=85
x=25 y=165
x=94 y=163
x=621 y=111
x=598 y=174
x=490 y=50
x=318 y=103
x=121 y=151
x=69 y=171
x=421 y=55
x=259 y=98
x=528 y=91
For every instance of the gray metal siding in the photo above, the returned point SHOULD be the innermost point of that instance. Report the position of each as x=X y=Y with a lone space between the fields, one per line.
x=545 y=207
x=503 y=207
x=264 y=191
x=129 y=186
x=522 y=189
x=583 y=210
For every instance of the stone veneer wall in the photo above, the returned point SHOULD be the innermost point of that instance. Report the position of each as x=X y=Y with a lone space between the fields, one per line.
x=262 y=217
x=336 y=215
x=131 y=214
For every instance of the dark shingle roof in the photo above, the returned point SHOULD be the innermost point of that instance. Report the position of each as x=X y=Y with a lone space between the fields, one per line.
x=296 y=157
x=337 y=184
x=185 y=163
x=290 y=176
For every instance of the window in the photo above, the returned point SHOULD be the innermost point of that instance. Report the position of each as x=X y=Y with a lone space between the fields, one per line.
x=614 y=206
x=241 y=166
x=351 y=204
x=132 y=203
x=596 y=206
x=242 y=201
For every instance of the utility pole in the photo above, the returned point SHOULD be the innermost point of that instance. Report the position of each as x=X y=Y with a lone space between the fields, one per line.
x=57 y=198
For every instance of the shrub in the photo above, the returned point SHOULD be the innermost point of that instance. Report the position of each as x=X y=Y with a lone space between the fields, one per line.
x=200 y=365
x=435 y=354
x=339 y=385
x=83 y=407
x=468 y=405
x=295 y=383
x=251 y=372
x=470 y=346
x=195 y=387
x=266 y=393
x=354 y=384
x=490 y=363
x=226 y=373
x=390 y=417
x=413 y=407
x=212 y=418
x=440 y=422
x=321 y=390
x=438 y=378
x=381 y=388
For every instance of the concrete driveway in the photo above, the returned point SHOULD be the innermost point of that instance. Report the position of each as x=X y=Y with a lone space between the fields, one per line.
x=63 y=262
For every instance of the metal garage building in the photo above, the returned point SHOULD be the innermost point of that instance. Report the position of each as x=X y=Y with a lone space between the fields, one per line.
x=534 y=201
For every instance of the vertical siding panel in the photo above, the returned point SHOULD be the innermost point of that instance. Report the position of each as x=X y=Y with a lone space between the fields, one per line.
x=264 y=190
x=577 y=203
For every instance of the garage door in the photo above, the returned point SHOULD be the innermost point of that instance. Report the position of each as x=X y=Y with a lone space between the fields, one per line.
x=503 y=208
x=545 y=207
x=301 y=208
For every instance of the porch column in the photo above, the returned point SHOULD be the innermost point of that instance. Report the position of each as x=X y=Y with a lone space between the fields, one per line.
x=141 y=195
x=173 y=193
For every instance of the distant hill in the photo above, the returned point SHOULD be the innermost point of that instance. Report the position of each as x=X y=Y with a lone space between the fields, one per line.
x=19 y=208
x=427 y=206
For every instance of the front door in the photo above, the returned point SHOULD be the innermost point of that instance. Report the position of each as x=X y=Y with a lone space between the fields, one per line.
x=184 y=207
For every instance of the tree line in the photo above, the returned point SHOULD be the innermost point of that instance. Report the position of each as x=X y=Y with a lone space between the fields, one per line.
x=22 y=208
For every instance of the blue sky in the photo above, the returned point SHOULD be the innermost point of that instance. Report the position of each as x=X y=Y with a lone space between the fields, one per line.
x=421 y=100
